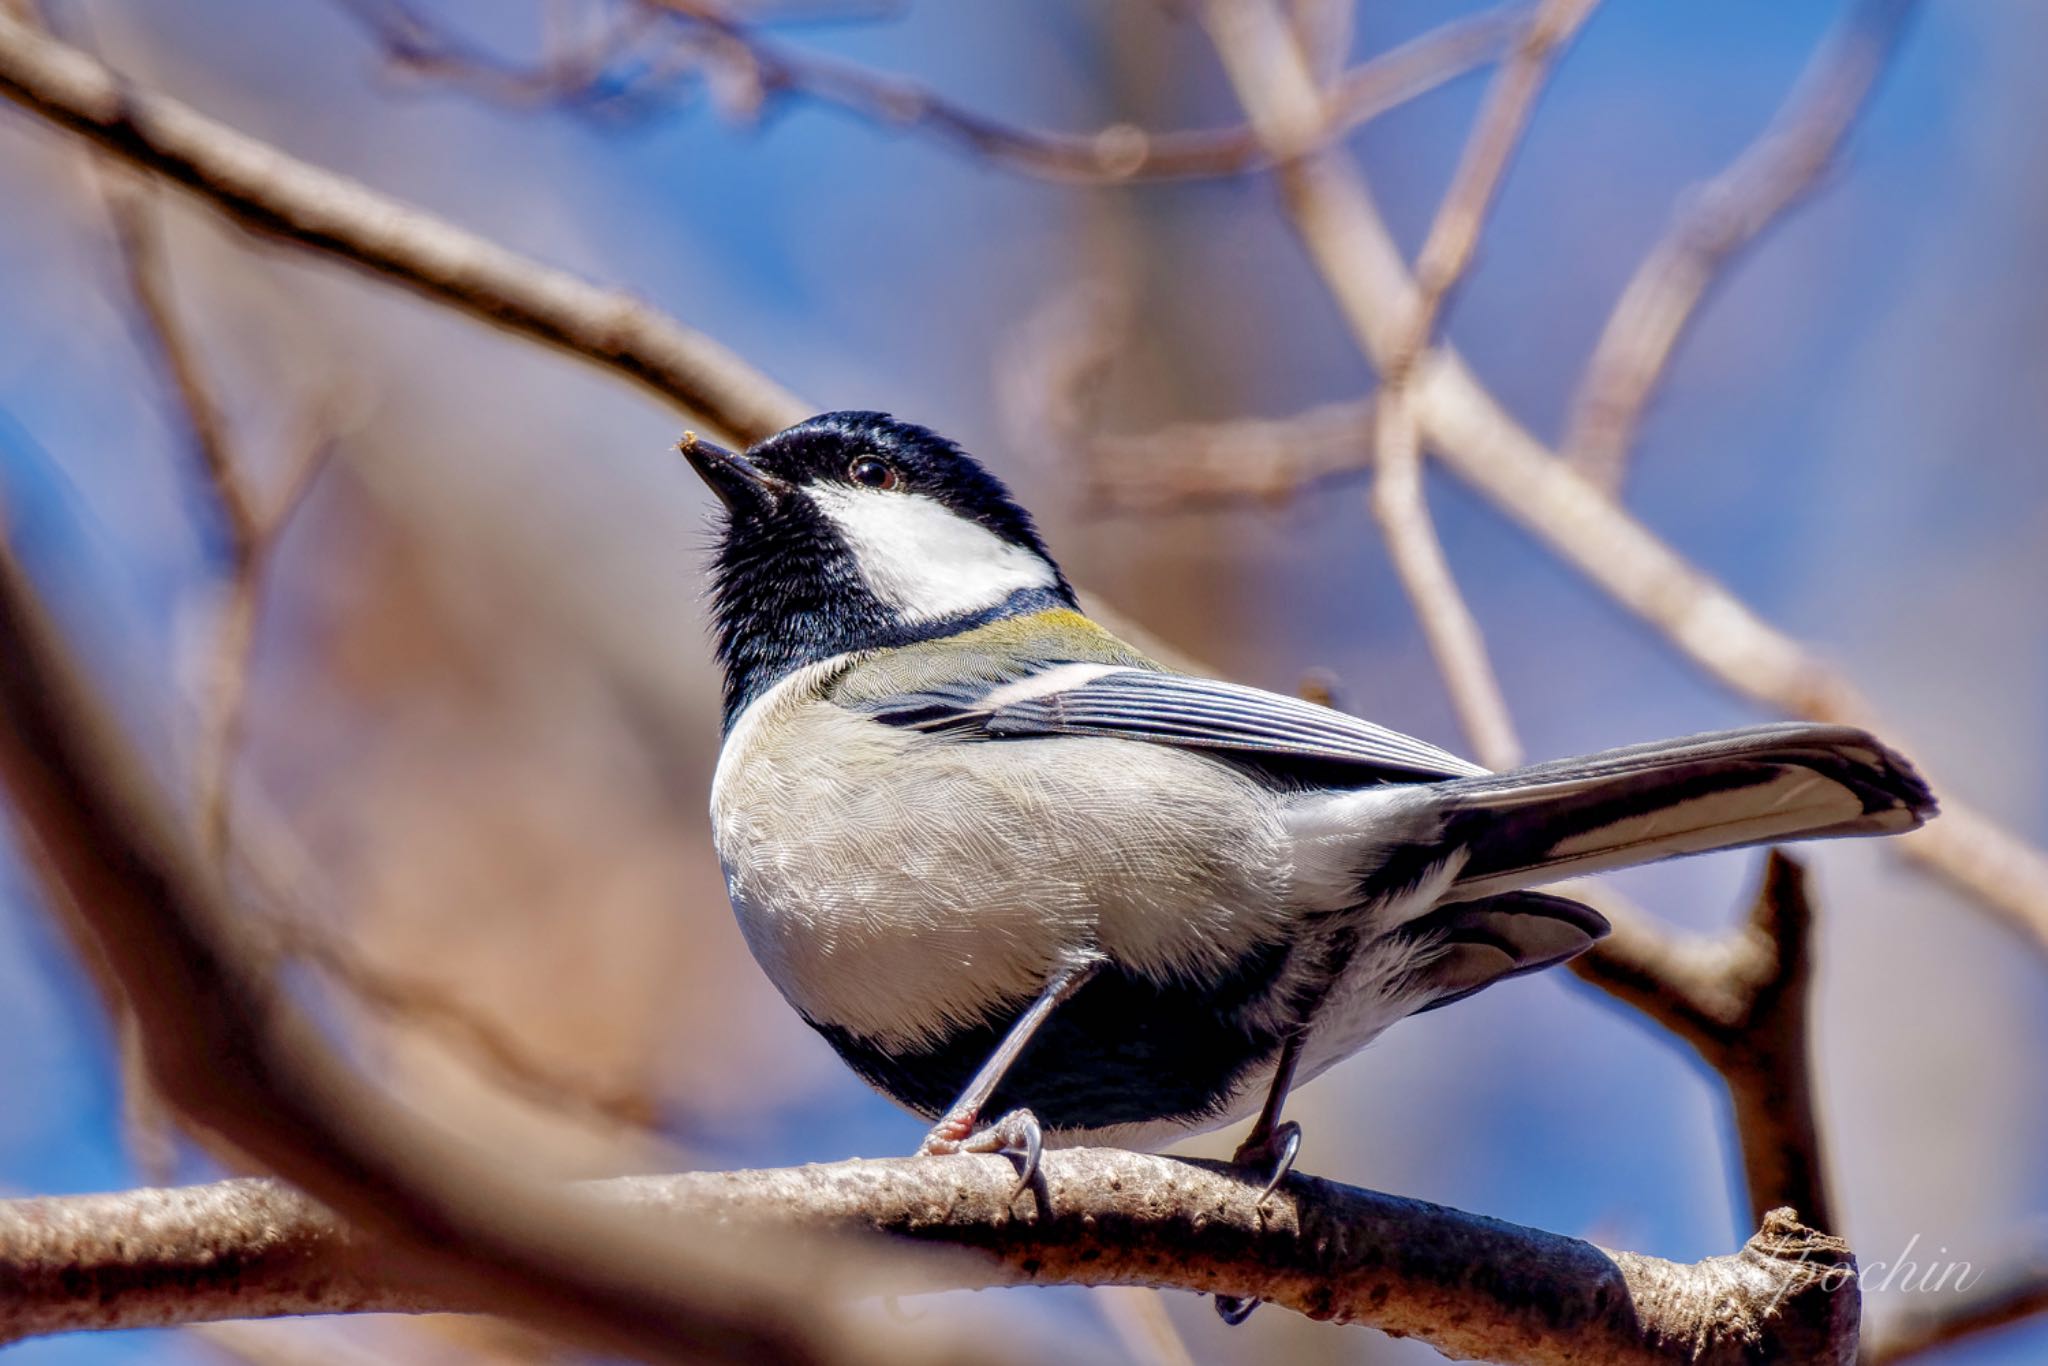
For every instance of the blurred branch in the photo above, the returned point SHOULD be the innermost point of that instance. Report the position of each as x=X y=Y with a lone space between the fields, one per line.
x=1468 y=1285
x=164 y=342
x=1137 y=1314
x=427 y=1005
x=1742 y=1003
x=1482 y=444
x=751 y=70
x=252 y=537
x=1761 y=1045
x=231 y=1054
x=2017 y=1290
x=1198 y=463
x=1417 y=554
x=1503 y=119
x=1716 y=220
x=577 y=74
x=268 y=192
x=1398 y=502
x=1275 y=84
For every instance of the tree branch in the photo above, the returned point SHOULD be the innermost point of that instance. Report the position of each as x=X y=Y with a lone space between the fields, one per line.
x=231 y=1053
x=1715 y=221
x=1477 y=440
x=252 y=537
x=1196 y=464
x=757 y=70
x=268 y=192
x=1742 y=1004
x=1468 y=1285
x=1398 y=502
x=1760 y=1046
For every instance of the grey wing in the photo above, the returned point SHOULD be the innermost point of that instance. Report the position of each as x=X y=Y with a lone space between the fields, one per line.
x=1179 y=710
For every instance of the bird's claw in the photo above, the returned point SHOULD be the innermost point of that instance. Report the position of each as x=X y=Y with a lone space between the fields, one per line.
x=1235 y=1309
x=1017 y=1134
x=1273 y=1152
x=1277 y=1152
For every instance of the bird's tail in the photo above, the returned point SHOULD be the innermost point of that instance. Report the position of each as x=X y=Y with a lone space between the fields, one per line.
x=1627 y=806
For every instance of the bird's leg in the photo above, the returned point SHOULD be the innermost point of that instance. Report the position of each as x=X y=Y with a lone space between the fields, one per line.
x=1017 y=1132
x=1272 y=1144
x=1271 y=1147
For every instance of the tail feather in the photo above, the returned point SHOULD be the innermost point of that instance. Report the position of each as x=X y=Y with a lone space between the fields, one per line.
x=1627 y=806
x=1483 y=942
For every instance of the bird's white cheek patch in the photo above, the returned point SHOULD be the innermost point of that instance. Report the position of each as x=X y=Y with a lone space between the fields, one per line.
x=925 y=560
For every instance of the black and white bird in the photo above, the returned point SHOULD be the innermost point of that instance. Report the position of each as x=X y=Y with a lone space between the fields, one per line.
x=1032 y=884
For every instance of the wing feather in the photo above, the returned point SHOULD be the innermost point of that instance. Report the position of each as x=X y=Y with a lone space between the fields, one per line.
x=1175 y=709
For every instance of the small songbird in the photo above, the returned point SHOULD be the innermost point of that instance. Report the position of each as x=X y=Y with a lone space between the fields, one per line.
x=1036 y=886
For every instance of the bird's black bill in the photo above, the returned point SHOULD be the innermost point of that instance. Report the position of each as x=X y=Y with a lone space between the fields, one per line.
x=740 y=484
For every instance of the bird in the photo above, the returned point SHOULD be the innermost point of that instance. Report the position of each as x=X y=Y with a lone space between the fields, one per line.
x=1040 y=888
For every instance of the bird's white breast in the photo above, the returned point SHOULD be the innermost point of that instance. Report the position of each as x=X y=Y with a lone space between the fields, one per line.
x=900 y=885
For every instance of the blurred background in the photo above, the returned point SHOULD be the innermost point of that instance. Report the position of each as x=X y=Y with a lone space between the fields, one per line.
x=481 y=716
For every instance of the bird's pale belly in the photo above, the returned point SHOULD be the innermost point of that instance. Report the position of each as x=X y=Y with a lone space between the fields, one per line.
x=912 y=917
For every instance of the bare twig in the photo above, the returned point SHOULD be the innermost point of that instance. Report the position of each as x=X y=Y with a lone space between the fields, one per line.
x=1197 y=463
x=1418 y=558
x=1468 y=1285
x=223 y=709
x=1398 y=501
x=577 y=75
x=1144 y=1329
x=712 y=35
x=1496 y=133
x=163 y=340
x=1715 y=221
x=1276 y=87
x=427 y=1005
x=1742 y=1004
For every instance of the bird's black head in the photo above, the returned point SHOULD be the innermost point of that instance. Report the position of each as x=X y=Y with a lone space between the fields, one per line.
x=855 y=531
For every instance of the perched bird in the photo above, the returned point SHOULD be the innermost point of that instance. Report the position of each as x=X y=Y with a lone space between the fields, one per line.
x=1036 y=886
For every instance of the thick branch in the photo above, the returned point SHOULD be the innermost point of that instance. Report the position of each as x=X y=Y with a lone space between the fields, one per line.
x=1470 y=1286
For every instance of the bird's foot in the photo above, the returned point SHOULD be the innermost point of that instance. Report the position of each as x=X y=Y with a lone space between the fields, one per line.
x=1016 y=1134
x=1273 y=1153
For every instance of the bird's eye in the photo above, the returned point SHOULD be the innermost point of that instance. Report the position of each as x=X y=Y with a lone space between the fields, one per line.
x=871 y=473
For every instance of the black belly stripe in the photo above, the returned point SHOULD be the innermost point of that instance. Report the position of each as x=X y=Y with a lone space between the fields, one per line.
x=1125 y=1050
